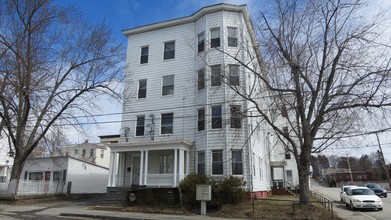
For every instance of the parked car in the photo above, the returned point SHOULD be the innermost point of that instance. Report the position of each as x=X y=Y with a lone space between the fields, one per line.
x=362 y=198
x=342 y=193
x=378 y=189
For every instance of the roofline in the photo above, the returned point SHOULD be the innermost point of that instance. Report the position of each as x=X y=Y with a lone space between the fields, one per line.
x=187 y=19
x=110 y=136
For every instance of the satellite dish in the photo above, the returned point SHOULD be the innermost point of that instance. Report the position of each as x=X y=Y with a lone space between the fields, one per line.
x=149 y=127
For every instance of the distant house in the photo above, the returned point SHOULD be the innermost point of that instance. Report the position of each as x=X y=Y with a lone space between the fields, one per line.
x=181 y=114
x=59 y=175
x=93 y=153
x=6 y=161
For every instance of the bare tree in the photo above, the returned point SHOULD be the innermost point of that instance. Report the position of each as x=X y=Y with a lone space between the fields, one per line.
x=52 y=66
x=326 y=68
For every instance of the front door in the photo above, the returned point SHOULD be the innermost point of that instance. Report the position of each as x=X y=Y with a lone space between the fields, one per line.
x=135 y=177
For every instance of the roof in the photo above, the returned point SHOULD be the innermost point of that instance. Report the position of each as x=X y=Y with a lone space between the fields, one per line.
x=65 y=158
x=188 y=19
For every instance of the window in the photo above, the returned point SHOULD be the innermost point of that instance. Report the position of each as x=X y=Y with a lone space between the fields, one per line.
x=201 y=163
x=217 y=162
x=234 y=75
x=168 y=85
x=167 y=126
x=236 y=116
x=35 y=176
x=83 y=153
x=201 y=42
x=102 y=153
x=169 y=50
x=144 y=55
x=237 y=163
x=142 y=88
x=215 y=37
x=57 y=175
x=285 y=130
x=201 y=119
x=165 y=163
x=289 y=176
x=140 y=125
x=76 y=151
x=216 y=75
x=92 y=153
x=287 y=155
x=216 y=117
x=201 y=79
x=260 y=167
x=232 y=37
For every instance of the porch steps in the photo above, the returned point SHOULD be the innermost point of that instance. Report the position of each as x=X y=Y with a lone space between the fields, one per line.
x=281 y=191
x=116 y=196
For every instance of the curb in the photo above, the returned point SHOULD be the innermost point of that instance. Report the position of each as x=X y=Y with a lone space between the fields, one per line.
x=101 y=217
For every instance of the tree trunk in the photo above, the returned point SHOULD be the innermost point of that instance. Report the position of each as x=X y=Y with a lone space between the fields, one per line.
x=17 y=169
x=304 y=184
x=303 y=166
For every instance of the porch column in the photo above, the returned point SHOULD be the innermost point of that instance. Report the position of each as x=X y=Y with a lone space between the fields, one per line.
x=112 y=169
x=175 y=167
x=187 y=162
x=181 y=164
x=146 y=168
x=121 y=168
x=141 y=168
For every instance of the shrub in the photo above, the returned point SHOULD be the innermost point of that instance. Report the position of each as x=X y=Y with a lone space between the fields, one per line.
x=226 y=191
x=188 y=188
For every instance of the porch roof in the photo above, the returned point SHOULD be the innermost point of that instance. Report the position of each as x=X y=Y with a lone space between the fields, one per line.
x=150 y=145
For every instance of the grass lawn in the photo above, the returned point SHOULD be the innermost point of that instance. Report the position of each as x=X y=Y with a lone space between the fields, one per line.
x=274 y=207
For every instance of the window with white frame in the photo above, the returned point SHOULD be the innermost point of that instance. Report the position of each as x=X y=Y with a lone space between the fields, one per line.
x=166 y=163
x=168 y=85
x=201 y=42
x=144 y=54
x=201 y=163
x=92 y=153
x=142 y=88
x=83 y=152
x=234 y=75
x=217 y=121
x=169 y=50
x=232 y=37
x=102 y=154
x=201 y=79
x=215 y=75
x=76 y=151
x=236 y=116
x=215 y=37
x=237 y=163
x=167 y=123
x=140 y=125
x=201 y=119
x=217 y=162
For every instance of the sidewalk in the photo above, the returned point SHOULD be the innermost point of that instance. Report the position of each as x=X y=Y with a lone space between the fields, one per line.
x=85 y=211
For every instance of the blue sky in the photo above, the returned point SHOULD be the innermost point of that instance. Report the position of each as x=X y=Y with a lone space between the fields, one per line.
x=124 y=14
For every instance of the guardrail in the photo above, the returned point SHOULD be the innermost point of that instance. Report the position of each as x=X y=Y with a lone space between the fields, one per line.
x=324 y=201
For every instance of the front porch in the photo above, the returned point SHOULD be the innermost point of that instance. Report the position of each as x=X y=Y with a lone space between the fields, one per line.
x=152 y=164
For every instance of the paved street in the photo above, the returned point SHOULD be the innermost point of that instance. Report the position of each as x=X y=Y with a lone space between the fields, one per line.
x=78 y=208
x=346 y=213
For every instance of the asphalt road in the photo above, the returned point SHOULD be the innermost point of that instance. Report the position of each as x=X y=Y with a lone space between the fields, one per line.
x=345 y=213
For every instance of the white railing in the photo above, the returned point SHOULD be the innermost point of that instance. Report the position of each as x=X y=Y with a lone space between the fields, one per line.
x=30 y=188
x=166 y=179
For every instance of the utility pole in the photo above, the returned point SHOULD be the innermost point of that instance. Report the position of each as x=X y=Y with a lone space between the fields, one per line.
x=383 y=161
x=350 y=170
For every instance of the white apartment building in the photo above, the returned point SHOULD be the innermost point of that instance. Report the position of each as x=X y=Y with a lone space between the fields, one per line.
x=180 y=114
